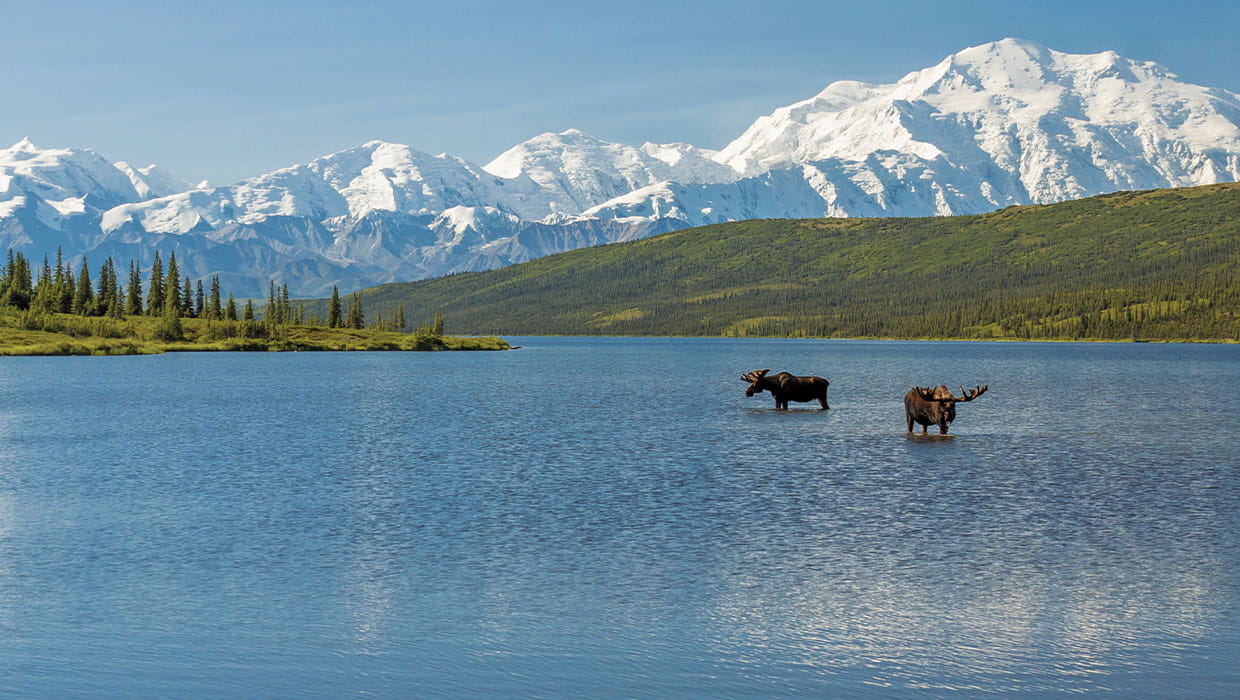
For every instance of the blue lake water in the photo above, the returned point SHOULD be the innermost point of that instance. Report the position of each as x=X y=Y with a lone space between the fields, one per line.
x=613 y=518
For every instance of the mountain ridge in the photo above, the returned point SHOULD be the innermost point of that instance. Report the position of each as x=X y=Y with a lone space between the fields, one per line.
x=1003 y=123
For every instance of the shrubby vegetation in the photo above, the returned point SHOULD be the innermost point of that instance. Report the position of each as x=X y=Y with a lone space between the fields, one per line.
x=1157 y=265
x=57 y=312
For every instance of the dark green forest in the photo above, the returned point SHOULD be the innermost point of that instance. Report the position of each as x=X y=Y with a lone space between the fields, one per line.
x=1156 y=265
x=53 y=310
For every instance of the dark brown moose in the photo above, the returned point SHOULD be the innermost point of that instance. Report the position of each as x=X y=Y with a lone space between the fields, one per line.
x=787 y=387
x=935 y=406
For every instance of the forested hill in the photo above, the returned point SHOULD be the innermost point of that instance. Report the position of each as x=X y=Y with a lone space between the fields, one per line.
x=1159 y=264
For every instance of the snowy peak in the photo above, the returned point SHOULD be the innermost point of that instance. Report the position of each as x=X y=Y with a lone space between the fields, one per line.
x=152 y=181
x=61 y=175
x=574 y=171
x=394 y=177
x=1028 y=123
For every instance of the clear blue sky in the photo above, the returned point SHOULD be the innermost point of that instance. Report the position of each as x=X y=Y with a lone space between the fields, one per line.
x=226 y=90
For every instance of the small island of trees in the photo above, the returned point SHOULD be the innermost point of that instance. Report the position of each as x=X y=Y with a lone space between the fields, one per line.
x=61 y=311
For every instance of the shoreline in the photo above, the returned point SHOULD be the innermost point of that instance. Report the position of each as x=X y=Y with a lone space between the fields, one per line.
x=136 y=336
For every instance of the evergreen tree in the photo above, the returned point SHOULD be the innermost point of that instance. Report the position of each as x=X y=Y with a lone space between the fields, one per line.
x=133 y=293
x=106 y=287
x=155 y=290
x=84 y=295
x=437 y=329
x=187 y=298
x=118 y=290
x=357 y=320
x=248 y=314
x=200 y=301
x=62 y=285
x=230 y=311
x=64 y=291
x=286 y=309
x=172 y=286
x=42 y=299
x=399 y=321
x=333 y=310
x=16 y=289
x=216 y=311
x=114 y=307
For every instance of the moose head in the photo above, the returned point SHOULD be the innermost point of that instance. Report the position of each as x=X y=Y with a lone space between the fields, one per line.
x=755 y=380
x=936 y=406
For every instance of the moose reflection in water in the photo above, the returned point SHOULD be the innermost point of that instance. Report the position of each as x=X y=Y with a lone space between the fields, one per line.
x=787 y=387
x=936 y=406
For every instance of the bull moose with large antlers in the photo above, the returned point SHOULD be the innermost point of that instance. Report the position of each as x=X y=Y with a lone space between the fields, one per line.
x=787 y=387
x=936 y=406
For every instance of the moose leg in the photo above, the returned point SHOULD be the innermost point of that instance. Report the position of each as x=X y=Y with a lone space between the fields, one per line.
x=943 y=428
x=909 y=417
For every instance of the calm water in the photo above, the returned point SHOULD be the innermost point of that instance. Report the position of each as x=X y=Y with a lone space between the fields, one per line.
x=613 y=518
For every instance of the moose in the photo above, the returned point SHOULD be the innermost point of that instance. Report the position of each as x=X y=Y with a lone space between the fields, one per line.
x=936 y=406
x=787 y=387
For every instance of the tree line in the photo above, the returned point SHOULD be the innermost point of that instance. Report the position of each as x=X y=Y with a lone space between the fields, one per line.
x=169 y=294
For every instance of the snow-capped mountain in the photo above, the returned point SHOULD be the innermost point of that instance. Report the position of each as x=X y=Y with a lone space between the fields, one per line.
x=574 y=171
x=1009 y=122
x=1005 y=123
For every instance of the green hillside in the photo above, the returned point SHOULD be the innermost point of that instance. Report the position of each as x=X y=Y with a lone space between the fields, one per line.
x=1160 y=264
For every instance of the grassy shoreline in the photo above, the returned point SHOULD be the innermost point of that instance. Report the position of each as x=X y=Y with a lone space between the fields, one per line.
x=23 y=334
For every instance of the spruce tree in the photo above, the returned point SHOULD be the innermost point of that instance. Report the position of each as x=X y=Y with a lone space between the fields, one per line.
x=106 y=287
x=42 y=299
x=60 y=282
x=286 y=309
x=172 y=286
x=437 y=329
x=133 y=293
x=155 y=290
x=357 y=320
x=64 y=291
x=16 y=289
x=230 y=311
x=333 y=310
x=200 y=301
x=83 y=295
x=216 y=311
x=248 y=314
x=399 y=321
x=187 y=298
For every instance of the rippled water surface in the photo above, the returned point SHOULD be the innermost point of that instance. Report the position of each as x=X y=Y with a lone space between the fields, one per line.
x=613 y=518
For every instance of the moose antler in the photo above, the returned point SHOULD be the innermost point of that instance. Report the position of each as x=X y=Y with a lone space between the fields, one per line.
x=925 y=392
x=754 y=375
x=972 y=393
